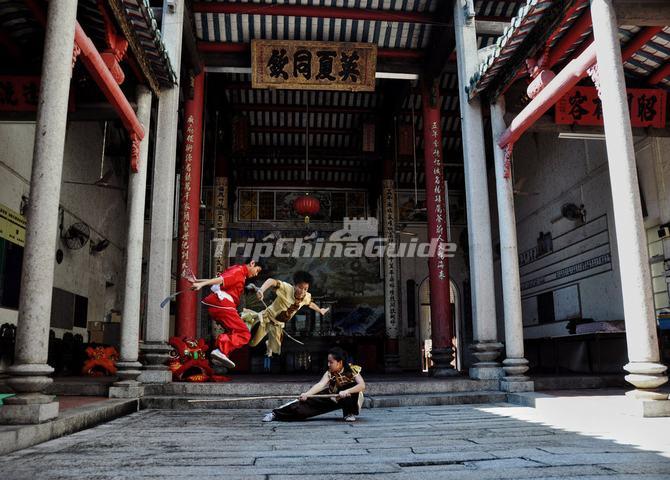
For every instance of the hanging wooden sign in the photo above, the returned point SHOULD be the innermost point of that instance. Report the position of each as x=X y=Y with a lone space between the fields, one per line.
x=12 y=226
x=298 y=65
x=582 y=106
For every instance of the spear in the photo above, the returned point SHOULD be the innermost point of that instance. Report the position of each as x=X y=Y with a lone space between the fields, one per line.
x=267 y=397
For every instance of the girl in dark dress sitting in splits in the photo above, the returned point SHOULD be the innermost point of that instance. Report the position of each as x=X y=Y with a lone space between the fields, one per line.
x=342 y=379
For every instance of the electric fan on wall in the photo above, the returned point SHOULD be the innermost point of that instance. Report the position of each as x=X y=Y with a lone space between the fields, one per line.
x=76 y=236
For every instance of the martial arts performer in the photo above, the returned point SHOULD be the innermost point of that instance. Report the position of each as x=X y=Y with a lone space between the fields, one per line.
x=342 y=379
x=222 y=302
x=271 y=321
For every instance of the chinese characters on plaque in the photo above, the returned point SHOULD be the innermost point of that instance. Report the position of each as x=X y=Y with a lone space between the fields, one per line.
x=582 y=106
x=298 y=65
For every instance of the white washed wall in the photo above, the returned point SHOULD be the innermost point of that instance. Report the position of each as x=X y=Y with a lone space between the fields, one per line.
x=104 y=210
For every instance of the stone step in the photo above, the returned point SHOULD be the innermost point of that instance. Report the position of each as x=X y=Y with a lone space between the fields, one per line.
x=456 y=398
x=577 y=382
x=270 y=387
x=174 y=402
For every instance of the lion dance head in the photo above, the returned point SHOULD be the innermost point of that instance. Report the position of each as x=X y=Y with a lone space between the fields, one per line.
x=188 y=361
x=101 y=361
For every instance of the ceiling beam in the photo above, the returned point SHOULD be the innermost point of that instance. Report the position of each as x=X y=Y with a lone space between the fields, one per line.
x=255 y=107
x=386 y=65
x=315 y=131
x=239 y=47
x=546 y=124
x=299 y=167
x=251 y=182
x=247 y=86
x=309 y=11
x=189 y=42
x=643 y=13
x=491 y=27
x=658 y=76
x=299 y=152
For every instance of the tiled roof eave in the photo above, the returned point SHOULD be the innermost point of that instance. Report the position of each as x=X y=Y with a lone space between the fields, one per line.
x=506 y=46
x=146 y=42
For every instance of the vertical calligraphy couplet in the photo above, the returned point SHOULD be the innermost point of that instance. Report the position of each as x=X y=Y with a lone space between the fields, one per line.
x=390 y=262
x=438 y=265
x=189 y=210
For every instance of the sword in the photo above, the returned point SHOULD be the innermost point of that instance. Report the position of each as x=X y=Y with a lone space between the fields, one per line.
x=169 y=298
x=188 y=275
x=294 y=339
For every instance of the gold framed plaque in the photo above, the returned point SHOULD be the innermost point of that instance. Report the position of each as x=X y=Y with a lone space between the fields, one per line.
x=308 y=65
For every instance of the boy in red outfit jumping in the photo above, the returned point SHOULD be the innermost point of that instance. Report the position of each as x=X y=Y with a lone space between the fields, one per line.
x=222 y=303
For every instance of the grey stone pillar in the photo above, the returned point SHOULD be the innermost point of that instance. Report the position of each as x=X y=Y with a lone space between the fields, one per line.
x=646 y=372
x=129 y=366
x=486 y=347
x=30 y=372
x=155 y=347
x=514 y=365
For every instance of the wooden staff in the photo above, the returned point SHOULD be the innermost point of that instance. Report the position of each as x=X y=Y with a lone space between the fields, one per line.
x=268 y=397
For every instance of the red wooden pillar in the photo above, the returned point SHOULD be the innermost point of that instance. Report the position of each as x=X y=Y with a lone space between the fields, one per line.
x=189 y=209
x=438 y=264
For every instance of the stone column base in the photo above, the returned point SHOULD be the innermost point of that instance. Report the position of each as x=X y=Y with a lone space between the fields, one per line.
x=128 y=371
x=514 y=385
x=645 y=408
x=156 y=355
x=442 y=367
x=126 y=389
x=28 y=409
x=486 y=368
x=482 y=371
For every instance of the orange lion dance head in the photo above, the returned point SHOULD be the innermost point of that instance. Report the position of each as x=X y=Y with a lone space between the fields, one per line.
x=101 y=361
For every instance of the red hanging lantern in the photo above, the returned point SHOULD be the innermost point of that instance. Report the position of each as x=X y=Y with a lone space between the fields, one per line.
x=306 y=205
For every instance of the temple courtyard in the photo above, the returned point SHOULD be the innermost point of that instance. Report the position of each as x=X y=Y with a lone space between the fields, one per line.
x=578 y=436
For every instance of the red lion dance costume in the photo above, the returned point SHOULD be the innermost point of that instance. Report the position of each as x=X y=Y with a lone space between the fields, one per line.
x=188 y=361
x=101 y=361
x=222 y=303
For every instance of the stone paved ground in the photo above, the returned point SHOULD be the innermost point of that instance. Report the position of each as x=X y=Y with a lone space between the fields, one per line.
x=459 y=442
